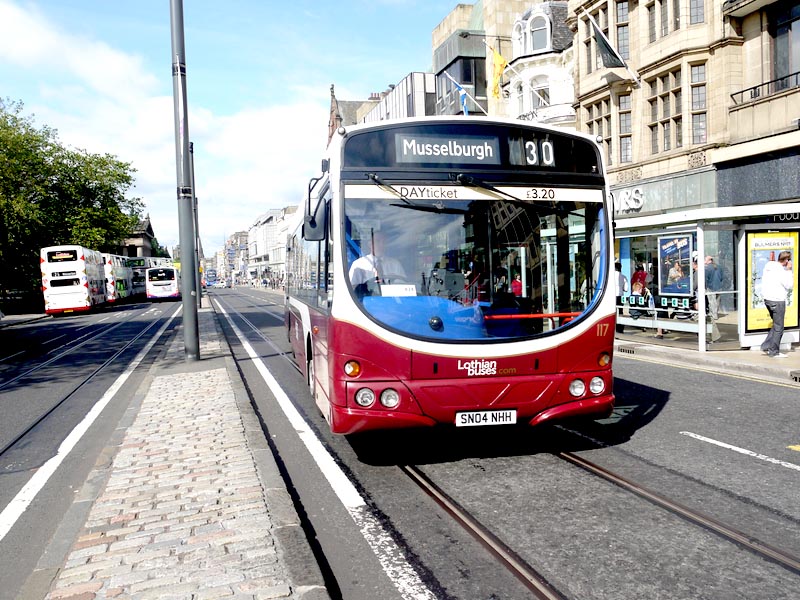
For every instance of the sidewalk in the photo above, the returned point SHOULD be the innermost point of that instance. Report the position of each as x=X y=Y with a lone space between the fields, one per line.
x=747 y=363
x=190 y=503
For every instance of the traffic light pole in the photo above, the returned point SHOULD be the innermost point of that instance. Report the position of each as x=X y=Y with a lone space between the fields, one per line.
x=191 y=337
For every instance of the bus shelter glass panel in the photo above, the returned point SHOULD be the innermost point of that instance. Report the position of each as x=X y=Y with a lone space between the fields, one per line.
x=472 y=270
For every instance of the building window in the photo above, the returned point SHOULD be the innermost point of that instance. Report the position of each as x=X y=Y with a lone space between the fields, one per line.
x=664 y=14
x=588 y=47
x=696 y=12
x=602 y=21
x=625 y=149
x=623 y=33
x=540 y=92
x=625 y=129
x=676 y=14
x=598 y=122
x=539 y=37
x=520 y=99
x=698 y=83
x=518 y=40
x=786 y=46
x=651 y=23
x=665 y=112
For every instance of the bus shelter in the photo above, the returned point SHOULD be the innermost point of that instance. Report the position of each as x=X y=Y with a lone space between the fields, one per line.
x=732 y=243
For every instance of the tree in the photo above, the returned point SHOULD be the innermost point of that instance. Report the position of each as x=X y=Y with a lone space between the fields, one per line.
x=51 y=194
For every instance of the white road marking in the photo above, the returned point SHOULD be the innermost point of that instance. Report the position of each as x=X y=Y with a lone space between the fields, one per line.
x=19 y=504
x=744 y=451
x=401 y=573
x=5 y=358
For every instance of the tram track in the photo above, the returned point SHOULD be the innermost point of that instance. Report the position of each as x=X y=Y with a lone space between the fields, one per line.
x=20 y=434
x=534 y=581
x=727 y=532
x=538 y=582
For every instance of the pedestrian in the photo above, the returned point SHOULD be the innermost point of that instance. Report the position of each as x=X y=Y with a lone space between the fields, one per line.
x=621 y=283
x=713 y=286
x=639 y=276
x=712 y=312
x=776 y=281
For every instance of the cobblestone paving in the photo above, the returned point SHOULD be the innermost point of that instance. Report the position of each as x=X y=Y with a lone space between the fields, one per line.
x=183 y=514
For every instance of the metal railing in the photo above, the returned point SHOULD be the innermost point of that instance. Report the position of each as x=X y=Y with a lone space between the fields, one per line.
x=766 y=89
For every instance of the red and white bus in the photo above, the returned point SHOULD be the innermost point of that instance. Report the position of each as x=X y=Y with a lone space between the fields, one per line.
x=119 y=278
x=73 y=279
x=491 y=301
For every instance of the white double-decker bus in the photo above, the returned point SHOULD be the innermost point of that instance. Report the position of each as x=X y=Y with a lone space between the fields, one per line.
x=119 y=278
x=73 y=279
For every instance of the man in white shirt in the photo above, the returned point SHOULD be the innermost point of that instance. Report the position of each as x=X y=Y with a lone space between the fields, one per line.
x=776 y=281
x=373 y=269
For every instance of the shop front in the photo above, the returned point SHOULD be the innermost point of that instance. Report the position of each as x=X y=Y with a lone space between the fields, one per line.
x=701 y=262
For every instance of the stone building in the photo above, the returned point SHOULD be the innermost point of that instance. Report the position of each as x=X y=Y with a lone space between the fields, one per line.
x=701 y=136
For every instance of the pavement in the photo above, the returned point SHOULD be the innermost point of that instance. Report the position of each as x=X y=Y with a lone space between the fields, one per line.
x=187 y=500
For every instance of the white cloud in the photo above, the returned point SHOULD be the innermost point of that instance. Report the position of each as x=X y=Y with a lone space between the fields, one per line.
x=105 y=101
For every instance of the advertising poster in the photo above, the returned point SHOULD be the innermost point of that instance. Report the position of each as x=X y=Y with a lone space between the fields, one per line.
x=675 y=265
x=762 y=248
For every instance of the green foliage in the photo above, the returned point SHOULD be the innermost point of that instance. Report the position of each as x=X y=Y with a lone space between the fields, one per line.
x=51 y=194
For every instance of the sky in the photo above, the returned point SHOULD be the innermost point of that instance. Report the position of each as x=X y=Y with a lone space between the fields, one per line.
x=258 y=77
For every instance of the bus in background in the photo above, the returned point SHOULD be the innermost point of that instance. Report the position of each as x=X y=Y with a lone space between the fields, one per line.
x=119 y=278
x=73 y=279
x=163 y=282
x=139 y=266
x=211 y=277
x=454 y=270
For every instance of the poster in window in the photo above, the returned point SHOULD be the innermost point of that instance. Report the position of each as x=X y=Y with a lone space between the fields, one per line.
x=763 y=247
x=675 y=266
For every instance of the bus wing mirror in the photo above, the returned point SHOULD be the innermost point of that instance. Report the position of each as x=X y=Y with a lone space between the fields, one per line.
x=314 y=224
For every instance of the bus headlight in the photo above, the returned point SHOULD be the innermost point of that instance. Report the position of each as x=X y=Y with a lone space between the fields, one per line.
x=352 y=368
x=365 y=397
x=577 y=388
x=597 y=385
x=390 y=398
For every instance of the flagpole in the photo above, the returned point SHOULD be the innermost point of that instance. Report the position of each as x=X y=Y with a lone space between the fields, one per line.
x=450 y=77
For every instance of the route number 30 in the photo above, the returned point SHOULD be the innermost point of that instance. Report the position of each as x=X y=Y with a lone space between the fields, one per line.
x=540 y=152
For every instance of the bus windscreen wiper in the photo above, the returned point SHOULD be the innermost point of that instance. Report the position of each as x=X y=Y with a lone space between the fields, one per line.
x=380 y=182
x=467 y=180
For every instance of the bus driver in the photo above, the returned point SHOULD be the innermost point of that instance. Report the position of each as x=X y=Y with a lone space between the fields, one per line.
x=375 y=268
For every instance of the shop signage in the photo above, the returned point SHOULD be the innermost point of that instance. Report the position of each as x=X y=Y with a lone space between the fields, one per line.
x=628 y=201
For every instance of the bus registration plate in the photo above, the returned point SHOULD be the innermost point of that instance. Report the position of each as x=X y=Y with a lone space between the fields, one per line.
x=486 y=417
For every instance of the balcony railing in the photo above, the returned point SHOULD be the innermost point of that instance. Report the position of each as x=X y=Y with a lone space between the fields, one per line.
x=767 y=89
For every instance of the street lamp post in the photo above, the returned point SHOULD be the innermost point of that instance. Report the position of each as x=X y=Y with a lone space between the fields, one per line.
x=191 y=337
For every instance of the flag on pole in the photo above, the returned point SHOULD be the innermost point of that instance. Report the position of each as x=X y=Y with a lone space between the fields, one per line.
x=608 y=54
x=499 y=66
x=461 y=92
